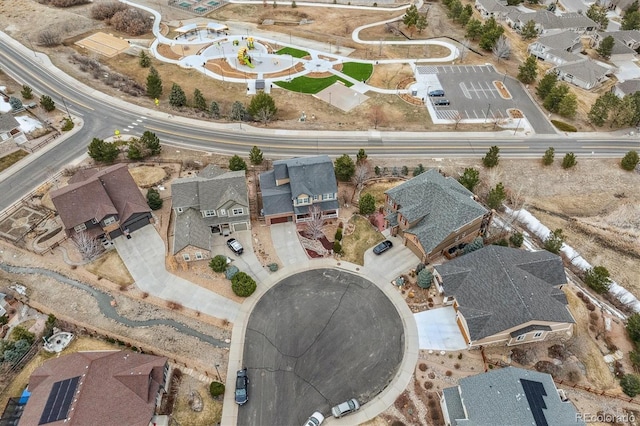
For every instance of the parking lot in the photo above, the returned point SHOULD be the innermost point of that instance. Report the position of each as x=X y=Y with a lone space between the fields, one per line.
x=473 y=94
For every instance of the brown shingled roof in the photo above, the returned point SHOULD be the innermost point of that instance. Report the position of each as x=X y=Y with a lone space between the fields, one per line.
x=116 y=388
x=102 y=193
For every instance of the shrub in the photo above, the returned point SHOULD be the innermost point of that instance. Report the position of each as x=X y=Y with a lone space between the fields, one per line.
x=26 y=92
x=591 y=307
x=428 y=385
x=377 y=170
x=516 y=239
x=547 y=367
x=21 y=333
x=338 y=235
x=231 y=272
x=218 y=263
x=633 y=327
x=476 y=244
x=405 y=171
x=48 y=38
x=104 y=11
x=153 y=199
x=337 y=247
x=569 y=160
x=502 y=242
x=565 y=127
x=496 y=196
x=549 y=154
x=68 y=125
x=236 y=163
x=47 y=103
x=448 y=373
x=216 y=389
x=131 y=21
x=554 y=241
x=243 y=285
x=598 y=279
x=425 y=278
x=418 y=170
x=630 y=384
x=492 y=157
x=422 y=366
x=15 y=103
x=630 y=161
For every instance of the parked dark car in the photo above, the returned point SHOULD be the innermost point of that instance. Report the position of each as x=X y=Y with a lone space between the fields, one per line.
x=235 y=246
x=382 y=247
x=242 y=384
x=440 y=102
x=436 y=93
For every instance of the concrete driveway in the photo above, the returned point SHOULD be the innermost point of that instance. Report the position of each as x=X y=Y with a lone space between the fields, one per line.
x=144 y=256
x=287 y=245
x=392 y=263
x=247 y=261
x=438 y=330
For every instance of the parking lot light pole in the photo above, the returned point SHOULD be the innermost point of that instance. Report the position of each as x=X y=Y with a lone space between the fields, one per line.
x=218 y=372
x=487 y=115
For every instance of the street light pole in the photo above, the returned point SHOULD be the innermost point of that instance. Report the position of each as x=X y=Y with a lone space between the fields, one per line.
x=217 y=371
x=65 y=107
x=487 y=115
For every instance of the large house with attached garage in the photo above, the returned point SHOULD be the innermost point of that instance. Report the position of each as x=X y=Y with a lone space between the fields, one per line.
x=506 y=296
x=103 y=202
x=515 y=397
x=213 y=203
x=434 y=213
x=546 y=21
x=295 y=186
x=584 y=73
x=10 y=130
x=109 y=388
x=558 y=48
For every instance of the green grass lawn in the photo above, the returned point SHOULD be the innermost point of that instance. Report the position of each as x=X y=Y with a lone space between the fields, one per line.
x=310 y=85
x=357 y=70
x=9 y=160
x=364 y=237
x=296 y=53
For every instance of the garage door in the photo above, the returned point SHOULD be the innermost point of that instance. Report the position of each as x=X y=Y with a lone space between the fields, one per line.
x=241 y=226
x=137 y=224
x=280 y=219
x=414 y=248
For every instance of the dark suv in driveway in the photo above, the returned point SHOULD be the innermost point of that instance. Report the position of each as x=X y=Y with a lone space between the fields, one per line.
x=382 y=247
x=242 y=384
x=235 y=246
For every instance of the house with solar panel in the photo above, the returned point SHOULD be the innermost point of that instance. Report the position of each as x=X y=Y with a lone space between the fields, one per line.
x=106 y=388
x=508 y=396
x=433 y=214
x=295 y=186
x=215 y=202
x=509 y=296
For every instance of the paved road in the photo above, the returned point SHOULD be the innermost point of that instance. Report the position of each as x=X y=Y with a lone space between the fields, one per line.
x=314 y=340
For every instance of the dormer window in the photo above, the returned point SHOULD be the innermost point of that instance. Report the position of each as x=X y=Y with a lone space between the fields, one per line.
x=208 y=213
x=109 y=220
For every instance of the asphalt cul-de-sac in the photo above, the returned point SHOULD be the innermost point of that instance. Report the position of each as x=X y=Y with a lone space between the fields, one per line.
x=316 y=339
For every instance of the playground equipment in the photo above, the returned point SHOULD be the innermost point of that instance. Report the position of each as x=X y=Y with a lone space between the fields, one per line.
x=250 y=45
x=244 y=58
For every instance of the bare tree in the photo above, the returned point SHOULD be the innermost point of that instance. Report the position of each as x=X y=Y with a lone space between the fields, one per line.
x=377 y=116
x=457 y=119
x=88 y=246
x=502 y=48
x=314 y=225
x=48 y=38
x=359 y=178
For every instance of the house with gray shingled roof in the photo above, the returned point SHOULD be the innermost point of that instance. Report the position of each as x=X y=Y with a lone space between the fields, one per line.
x=585 y=73
x=10 y=130
x=515 y=396
x=213 y=203
x=434 y=213
x=628 y=87
x=548 y=21
x=558 y=48
x=506 y=296
x=294 y=186
x=492 y=8
x=625 y=43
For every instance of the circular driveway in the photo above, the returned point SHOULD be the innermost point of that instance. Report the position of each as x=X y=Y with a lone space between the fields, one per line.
x=315 y=339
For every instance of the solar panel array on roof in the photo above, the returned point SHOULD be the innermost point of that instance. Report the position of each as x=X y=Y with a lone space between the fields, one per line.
x=59 y=400
x=535 y=393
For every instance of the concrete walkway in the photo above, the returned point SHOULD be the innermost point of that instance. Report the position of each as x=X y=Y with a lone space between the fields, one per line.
x=144 y=256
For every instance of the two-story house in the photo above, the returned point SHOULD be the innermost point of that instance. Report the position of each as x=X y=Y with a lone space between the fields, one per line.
x=584 y=73
x=626 y=42
x=213 y=202
x=506 y=296
x=296 y=185
x=434 y=213
x=102 y=203
x=492 y=8
x=559 y=48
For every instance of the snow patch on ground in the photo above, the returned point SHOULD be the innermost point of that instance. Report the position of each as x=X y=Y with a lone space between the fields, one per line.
x=4 y=106
x=28 y=124
x=537 y=228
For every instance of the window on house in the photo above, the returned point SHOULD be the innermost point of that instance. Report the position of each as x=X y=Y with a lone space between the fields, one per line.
x=180 y=209
x=238 y=211
x=223 y=212
x=328 y=196
x=80 y=228
x=109 y=220
x=94 y=221
x=199 y=255
x=209 y=213
x=537 y=335
x=186 y=256
x=316 y=197
x=520 y=338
